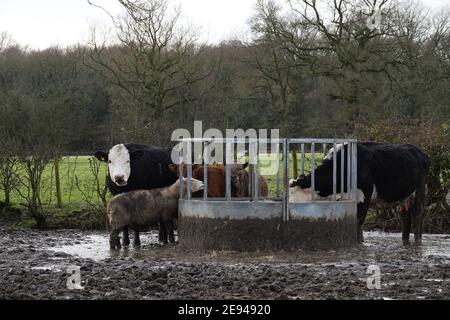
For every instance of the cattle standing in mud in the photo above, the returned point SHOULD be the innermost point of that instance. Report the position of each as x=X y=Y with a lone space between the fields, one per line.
x=389 y=175
x=142 y=208
x=133 y=167
x=240 y=182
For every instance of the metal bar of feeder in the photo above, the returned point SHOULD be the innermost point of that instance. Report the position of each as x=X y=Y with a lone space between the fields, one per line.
x=250 y=176
x=278 y=179
x=303 y=158
x=228 y=172
x=286 y=180
x=278 y=171
x=313 y=178
x=256 y=184
x=189 y=170
x=205 y=176
x=334 y=171
x=342 y=172
x=349 y=161
x=354 y=171
x=268 y=140
x=311 y=140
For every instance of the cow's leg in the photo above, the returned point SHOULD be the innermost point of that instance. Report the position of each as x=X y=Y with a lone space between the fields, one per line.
x=362 y=209
x=175 y=224
x=162 y=232
x=114 y=239
x=417 y=212
x=126 y=237
x=169 y=229
x=406 y=225
x=137 y=240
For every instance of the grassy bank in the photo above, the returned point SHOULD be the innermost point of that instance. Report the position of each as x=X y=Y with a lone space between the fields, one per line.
x=79 y=198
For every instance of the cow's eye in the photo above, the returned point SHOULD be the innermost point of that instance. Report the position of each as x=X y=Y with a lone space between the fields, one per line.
x=128 y=161
x=109 y=161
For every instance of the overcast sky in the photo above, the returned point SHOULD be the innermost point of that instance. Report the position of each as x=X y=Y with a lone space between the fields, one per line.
x=42 y=23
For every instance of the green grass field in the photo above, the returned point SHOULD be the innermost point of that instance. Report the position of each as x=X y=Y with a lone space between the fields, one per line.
x=78 y=184
x=272 y=178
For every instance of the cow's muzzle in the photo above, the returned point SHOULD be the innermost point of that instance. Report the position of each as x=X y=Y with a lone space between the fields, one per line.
x=120 y=181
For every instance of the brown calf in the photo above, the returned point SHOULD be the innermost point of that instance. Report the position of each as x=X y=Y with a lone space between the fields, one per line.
x=240 y=179
x=216 y=179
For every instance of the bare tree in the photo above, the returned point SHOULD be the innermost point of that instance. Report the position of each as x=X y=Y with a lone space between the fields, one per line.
x=32 y=166
x=9 y=167
x=95 y=191
x=5 y=41
x=361 y=68
x=154 y=63
x=276 y=70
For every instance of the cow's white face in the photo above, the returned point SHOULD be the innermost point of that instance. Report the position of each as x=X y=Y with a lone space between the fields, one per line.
x=119 y=159
x=119 y=165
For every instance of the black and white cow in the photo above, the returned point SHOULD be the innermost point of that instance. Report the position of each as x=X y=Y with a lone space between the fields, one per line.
x=389 y=175
x=134 y=167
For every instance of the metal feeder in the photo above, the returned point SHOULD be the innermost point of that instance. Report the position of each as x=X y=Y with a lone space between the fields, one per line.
x=273 y=223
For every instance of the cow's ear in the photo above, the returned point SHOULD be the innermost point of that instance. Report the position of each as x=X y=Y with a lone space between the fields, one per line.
x=173 y=167
x=136 y=154
x=102 y=156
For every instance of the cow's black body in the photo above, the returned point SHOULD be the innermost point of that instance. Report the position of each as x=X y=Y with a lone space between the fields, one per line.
x=393 y=171
x=149 y=171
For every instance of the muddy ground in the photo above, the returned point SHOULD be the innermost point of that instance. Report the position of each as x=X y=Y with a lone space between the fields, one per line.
x=33 y=265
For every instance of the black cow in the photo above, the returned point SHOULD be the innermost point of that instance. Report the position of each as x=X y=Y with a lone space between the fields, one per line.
x=388 y=175
x=134 y=167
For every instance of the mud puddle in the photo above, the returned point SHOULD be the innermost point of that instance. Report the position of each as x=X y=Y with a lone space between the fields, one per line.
x=33 y=265
x=377 y=245
x=96 y=247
